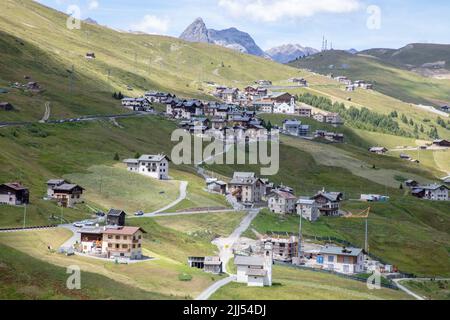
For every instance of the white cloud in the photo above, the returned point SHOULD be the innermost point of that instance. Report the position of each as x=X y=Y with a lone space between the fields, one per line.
x=152 y=24
x=93 y=5
x=276 y=10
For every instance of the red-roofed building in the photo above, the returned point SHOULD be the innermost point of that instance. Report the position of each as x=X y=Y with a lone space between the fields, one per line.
x=112 y=242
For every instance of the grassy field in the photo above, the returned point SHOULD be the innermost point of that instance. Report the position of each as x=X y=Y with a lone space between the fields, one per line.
x=169 y=249
x=432 y=290
x=207 y=226
x=196 y=196
x=115 y=187
x=37 y=153
x=293 y=284
x=25 y=278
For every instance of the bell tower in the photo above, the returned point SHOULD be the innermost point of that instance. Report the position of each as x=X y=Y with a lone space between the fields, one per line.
x=268 y=262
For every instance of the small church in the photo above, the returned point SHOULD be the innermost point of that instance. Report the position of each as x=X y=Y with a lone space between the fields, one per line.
x=255 y=271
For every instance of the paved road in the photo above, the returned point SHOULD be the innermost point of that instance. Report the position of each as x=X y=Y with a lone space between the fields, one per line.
x=70 y=242
x=81 y=119
x=403 y=288
x=181 y=197
x=225 y=246
x=168 y=214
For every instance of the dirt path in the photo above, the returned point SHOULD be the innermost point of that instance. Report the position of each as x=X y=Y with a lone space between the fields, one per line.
x=46 y=113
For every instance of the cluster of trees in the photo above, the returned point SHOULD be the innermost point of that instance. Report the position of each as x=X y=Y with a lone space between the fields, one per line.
x=268 y=126
x=442 y=123
x=360 y=118
x=118 y=96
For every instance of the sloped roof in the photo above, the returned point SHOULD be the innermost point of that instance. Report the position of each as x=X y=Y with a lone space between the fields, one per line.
x=352 y=252
x=153 y=157
x=67 y=187
x=115 y=212
x=15 y=186
x=248 y=261
x=129 y=231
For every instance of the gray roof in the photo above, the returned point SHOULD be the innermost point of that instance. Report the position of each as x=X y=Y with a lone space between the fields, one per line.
x=243 y=178
x=56 y=181
x=292 y=122
x=332 y=196
x=248 y=261
x=115 y=212
x=66 y=187
x=433 y=187
x=352 y=252
x=151 y=157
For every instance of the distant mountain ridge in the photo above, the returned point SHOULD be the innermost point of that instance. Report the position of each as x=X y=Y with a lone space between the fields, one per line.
x=415 y=55
x=230 y=38
x=289 y=52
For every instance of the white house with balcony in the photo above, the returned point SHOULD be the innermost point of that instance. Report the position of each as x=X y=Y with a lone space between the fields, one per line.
x=342 y=260
x=154 y=166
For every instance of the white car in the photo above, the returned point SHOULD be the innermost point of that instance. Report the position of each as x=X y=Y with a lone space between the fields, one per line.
x=139 y=214
x=78 y=224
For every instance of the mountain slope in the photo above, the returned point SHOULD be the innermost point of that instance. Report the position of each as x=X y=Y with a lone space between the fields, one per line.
x=289 y=52
x=35 y=42
x=387 y=77
x=415 y=55
x=231 y=38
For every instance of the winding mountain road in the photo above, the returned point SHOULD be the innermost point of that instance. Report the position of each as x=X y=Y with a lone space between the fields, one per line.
x=225 y=246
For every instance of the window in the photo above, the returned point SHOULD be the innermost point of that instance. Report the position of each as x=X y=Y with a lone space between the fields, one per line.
x=109 y=245
x=124 y=246
x=330 y=258
x=110 y=236
x=117 y=237
x=117 y=246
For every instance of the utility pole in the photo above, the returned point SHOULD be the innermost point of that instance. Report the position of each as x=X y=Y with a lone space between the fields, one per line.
x=24 y=215
x=300 y=237
x=366 y=245
x=62 y=213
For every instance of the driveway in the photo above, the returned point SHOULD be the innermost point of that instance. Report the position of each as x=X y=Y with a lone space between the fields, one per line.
x=182 y=195
x=225 y=246
x=403 y=288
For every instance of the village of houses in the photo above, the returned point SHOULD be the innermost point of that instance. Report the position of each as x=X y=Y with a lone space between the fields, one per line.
x=108 y=237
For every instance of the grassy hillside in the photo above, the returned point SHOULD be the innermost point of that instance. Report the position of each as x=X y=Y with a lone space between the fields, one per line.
x=387 y=78
x=23 y=277
x=431 y=290
x=168 y=248
x=414 y=55
x=33 y=154
x=35 y=42
x=292 y=284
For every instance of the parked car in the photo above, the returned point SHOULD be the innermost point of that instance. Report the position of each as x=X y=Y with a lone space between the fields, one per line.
x=100 y=214
x=139 y=213
x=88 y=223
x=78 y=224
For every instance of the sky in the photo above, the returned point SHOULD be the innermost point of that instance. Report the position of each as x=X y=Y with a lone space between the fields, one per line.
x=359 y=24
